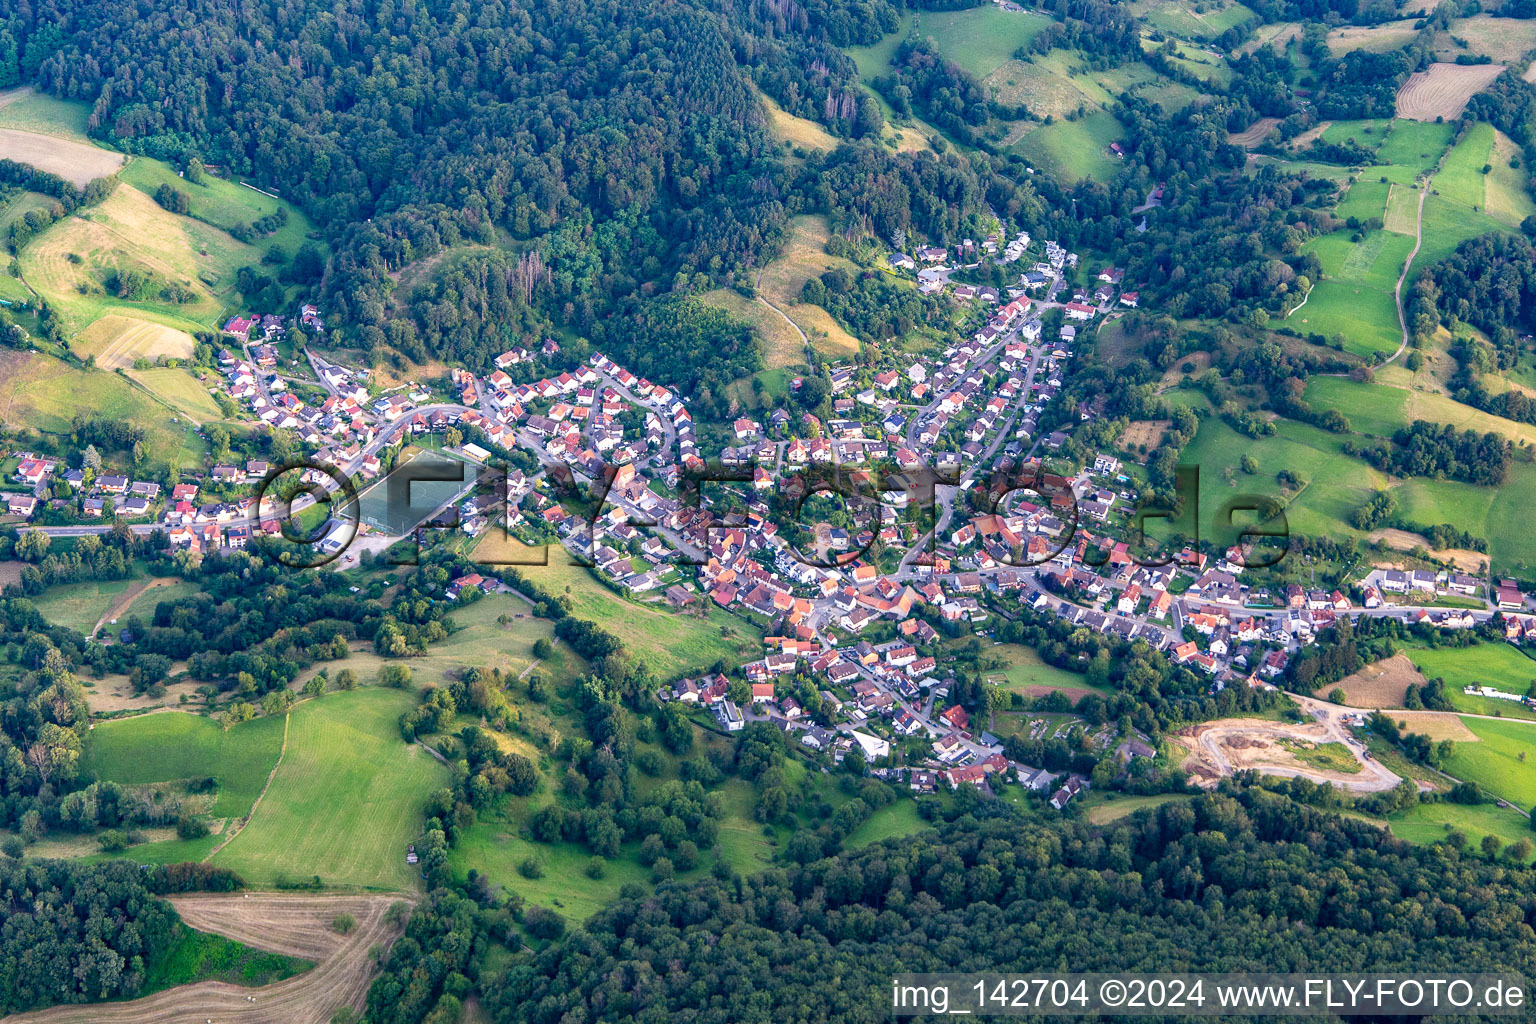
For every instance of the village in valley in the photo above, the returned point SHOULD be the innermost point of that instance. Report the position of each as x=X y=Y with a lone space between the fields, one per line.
x=862 y=606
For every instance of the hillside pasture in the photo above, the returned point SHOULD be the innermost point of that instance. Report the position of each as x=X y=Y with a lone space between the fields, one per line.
x=47 y=394
x=1189 y=20
x=80 y=605
x=781 y=343
x=1497 y=665
x=1074 y=150
x=1443 y=90
x=346 y=799
x=805 y=256
x=1506 y=197
x=1428 y=823
x=1446 y=225
x=1505 y=40
x=1036 y=87
x=117 y=339
x=181 y=391
x=979 y=39
x=1461 y=178
x=1365 y=316
x=72 y=263
x=224 y=204
x=1380 y=684
x=73 y=161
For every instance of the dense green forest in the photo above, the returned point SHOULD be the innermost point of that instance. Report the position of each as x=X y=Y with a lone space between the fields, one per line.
x=1224 y=882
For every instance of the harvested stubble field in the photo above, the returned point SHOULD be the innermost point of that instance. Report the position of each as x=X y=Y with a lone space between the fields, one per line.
x=298 y=925
x=116 y=341
x=1379 y=685
x=72 y=161
x=1255 y=133
x=1443 y=90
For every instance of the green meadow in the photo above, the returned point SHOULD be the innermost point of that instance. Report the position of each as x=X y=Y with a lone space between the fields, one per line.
x=1500 y=761
x=346 y=800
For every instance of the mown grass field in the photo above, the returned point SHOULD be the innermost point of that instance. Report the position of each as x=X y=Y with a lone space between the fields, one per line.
x=30 y=111
x=1365 y=316
x=1073 y=150
x=1505 y=195
x=116 y=340
x=1364 y=199
x=182 y=391
x=1500 y=761
x=173 y=745
x=1461 y=178
x=80 y=605
x=1027 y=673
x=346 y=800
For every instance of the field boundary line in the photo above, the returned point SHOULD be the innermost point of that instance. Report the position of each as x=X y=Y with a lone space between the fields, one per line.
x=287 y=717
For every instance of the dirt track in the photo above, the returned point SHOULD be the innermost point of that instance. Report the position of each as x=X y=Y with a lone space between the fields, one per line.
x=299 y=925
x=1218 y=749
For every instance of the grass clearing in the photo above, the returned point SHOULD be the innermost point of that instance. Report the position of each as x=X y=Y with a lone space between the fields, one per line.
x=1191 y=20
x=1328 y=757
x=979 y=39
x=1427 y=823
x=174 y=745
x=202 y=956
x=1074 y=150
x=781 y=343
x=1039 y=89
x=805 y=256
x=1117 y=806
x=346 y=800
x=80 y=605
x=1027 y=673
x=796 y=131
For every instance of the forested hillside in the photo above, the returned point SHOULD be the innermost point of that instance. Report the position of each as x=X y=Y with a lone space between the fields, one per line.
x=1221 y=884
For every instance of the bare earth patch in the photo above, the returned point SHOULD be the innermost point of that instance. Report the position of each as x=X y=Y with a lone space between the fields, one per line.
x=298 y=925
x=1218 y=749
x=72 y=161
x=1255 y=133
x=1443 y=90
x=1379 y=685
